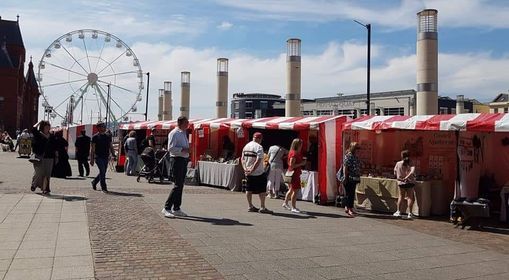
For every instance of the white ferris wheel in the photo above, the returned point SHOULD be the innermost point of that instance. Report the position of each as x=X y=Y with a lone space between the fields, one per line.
x=88 y=76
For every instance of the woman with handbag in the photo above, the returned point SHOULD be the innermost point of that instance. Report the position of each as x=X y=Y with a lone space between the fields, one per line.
x=295 y=164
x=352 y=173
x=43 y=157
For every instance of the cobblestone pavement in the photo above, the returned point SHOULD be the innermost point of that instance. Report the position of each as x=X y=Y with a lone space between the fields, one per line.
x=130 y=241
x=130 y=238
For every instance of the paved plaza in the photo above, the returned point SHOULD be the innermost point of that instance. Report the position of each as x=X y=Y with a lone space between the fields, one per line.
x=78 y=233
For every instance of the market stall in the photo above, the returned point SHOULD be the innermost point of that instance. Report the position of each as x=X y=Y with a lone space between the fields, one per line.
x=143 y=129
x=467 y=151
x=326 y=130
x=72 y=134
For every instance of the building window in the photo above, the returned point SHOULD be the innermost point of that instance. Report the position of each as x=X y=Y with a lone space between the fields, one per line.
x=453 y=111
x=249 y=115
x=495 y=110
x=236 y=115
x=506 y=110
x=324 y=112
x=264 y=105
x=236 y=105
x=249 y=104
x=399 y=111
x=444 y=111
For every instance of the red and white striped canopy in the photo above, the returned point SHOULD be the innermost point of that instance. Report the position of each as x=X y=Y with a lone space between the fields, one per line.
x=461 y=122
x=153 y=124
x=287 y=123
x=219 y=123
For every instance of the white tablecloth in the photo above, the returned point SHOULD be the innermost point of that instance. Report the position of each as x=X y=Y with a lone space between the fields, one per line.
x=309 y=185
x=220 y=174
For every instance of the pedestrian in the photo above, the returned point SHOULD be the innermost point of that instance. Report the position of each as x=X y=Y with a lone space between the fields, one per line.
x=252 y=162
x=100 y=150
x=43 y=157
x=276 y=154
x=405 y=175
x=295 y=164
x=82 y=145
x=131 y=148
x=178 y=146
x=352 y=172
x=18 y=138
x=62 y=168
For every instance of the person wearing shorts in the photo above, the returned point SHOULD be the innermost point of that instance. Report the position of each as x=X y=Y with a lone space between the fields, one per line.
x=252 y=162
x=405 y=175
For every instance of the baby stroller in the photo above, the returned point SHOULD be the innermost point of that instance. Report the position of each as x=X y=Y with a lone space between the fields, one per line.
x=153 y=164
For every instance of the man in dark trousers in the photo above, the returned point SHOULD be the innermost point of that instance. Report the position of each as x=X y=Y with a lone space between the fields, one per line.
x=100 y=149
x=82 y=145
x=178 y=146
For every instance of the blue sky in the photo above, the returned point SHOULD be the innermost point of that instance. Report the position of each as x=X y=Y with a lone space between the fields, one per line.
x=176 y=35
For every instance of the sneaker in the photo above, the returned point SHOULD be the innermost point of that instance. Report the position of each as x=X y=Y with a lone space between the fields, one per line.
x=265 y=211
x=94 y=186
x=179 y=213
x=295 y=210
x=397 y=214
x=253 y=209
x=168 y=214
x=274 y=196
x=286 y=206
x=410 y=216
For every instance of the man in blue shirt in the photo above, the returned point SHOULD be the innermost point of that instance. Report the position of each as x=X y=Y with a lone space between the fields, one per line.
x=178 y=146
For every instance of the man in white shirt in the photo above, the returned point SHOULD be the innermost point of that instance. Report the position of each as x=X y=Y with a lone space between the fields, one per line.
x=252 y=162
x=178 y=146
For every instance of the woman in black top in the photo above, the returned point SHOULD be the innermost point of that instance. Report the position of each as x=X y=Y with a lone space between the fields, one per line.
x=62 y=168
x=43 y=146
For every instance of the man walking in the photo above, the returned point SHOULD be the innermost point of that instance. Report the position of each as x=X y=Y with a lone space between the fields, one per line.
x=82 y=145
x=178 y=146
x=252 y=162
x=99 y=151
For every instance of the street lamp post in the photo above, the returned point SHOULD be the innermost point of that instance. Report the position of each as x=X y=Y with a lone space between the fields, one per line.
x=368 y=88
x=108 y=104
x=146 y=100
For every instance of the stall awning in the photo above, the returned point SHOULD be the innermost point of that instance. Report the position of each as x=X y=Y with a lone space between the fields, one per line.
x=153 y=124
x=288 y=123
x=218 y=123
x=461 y=122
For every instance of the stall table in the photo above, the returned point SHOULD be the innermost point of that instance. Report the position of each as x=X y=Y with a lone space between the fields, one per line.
x=309 y=186
x=381 y=194
x=221 y=174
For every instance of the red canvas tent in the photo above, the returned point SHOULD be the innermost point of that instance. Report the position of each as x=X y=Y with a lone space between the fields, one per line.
x=328 y=132
x=479 y=140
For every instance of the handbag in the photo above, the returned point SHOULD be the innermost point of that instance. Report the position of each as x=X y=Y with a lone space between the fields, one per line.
x=266 y=171
x=288 y=176
x=34 y=158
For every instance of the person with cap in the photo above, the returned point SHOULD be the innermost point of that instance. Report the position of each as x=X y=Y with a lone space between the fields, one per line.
x=82 y=145
x=100 y=149
x=178 y=146
x=252 y=162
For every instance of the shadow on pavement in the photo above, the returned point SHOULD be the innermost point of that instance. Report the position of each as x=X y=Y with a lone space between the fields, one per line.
x=302 y=216
x=64 y=197
x=124 y=194
x=214 y=221
x=326 y=215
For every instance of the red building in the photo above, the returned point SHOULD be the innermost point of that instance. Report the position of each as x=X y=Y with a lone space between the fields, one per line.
x=19 y=94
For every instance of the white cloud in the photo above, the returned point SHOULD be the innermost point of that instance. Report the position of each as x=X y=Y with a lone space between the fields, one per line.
x=339 y=68
x=454 y=13
x=225 y=25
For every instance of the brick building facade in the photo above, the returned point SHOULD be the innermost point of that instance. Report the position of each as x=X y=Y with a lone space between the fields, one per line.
x=19 y=94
